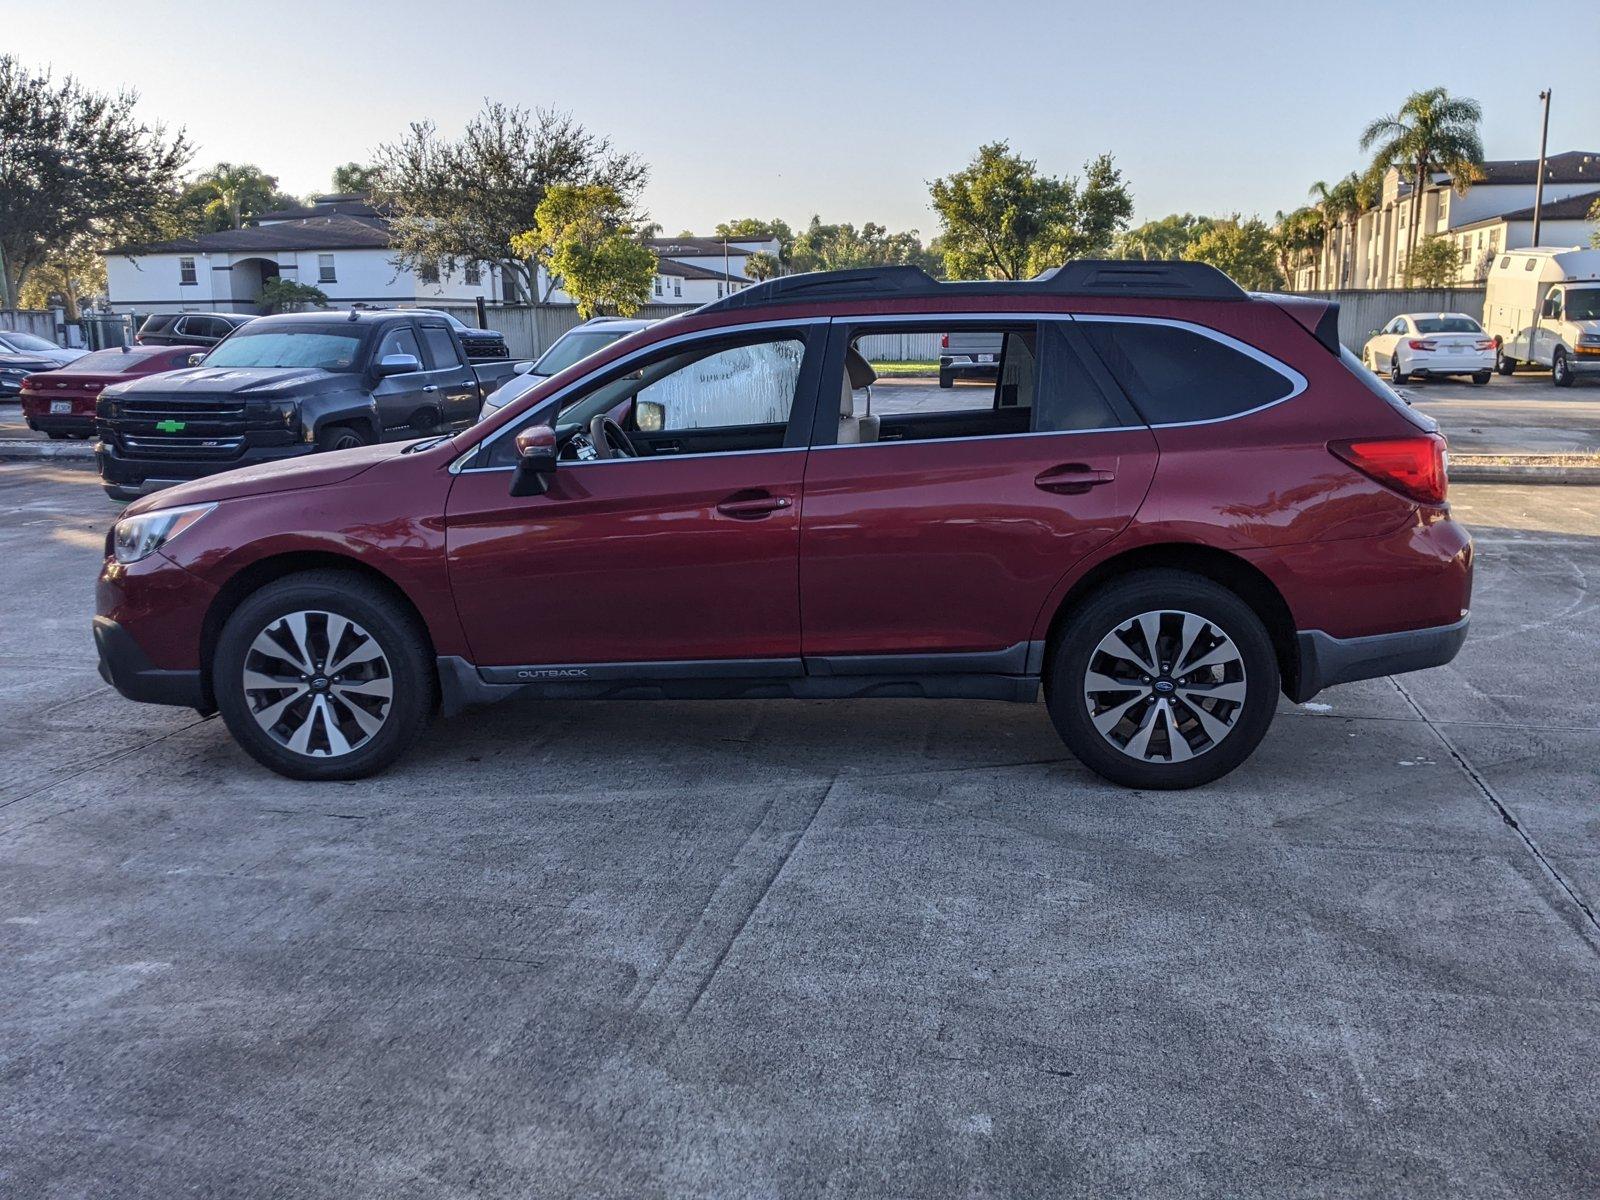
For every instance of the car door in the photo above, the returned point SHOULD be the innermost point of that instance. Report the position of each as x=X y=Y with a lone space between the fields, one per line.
x=937 y=524
x=400 y=398
x=450 y=381
x=682 y=560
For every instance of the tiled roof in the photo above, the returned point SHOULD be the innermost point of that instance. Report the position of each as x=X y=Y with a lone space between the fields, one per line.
x=312 y=233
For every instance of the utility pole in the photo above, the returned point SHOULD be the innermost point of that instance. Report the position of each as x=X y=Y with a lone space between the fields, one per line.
x=1538 y=187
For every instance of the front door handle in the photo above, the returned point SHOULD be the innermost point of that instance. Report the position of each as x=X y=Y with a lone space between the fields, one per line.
x=1071 y=479
x=749 y=508
x=432 y=387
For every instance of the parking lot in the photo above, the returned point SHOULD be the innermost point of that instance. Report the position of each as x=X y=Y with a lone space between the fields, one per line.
x=776 y=949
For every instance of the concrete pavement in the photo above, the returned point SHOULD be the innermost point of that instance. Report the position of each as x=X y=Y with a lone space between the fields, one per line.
x=779 y=949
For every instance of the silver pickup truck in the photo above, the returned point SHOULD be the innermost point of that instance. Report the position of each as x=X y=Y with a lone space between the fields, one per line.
x=969 y=354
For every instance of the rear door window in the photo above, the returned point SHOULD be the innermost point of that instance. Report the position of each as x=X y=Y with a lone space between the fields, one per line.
x=441 y=346
x=1175 y=375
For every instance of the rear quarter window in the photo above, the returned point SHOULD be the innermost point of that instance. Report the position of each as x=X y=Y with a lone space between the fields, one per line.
x=1173 y=375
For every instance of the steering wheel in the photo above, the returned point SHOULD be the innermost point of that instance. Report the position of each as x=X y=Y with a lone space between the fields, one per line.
x=608 y=439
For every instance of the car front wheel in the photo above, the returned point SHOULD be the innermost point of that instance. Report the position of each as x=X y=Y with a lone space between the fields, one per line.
x=1560 y=369
x=1163 y=679
x=323 y=675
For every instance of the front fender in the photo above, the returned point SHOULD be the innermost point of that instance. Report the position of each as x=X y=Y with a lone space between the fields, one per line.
x=359 y=409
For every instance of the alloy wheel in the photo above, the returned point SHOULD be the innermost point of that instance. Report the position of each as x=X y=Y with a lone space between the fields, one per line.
x=1165 y=686
x=318 y=683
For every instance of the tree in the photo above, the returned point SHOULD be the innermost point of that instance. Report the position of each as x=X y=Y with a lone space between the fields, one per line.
x=459 y=203
x=1433 y=131
x=1435 y=263
x=1295 y=236
x=288 y=295
x=583 y=237
x=1594 y=215
x=353 y=178
x=67 y=277
x=761 y=265
x=77 y=168
x=1166 y=238
x=231 y=192
x=748 y=228
x=1242 y=249
x=842 y=247
x=1003 y=219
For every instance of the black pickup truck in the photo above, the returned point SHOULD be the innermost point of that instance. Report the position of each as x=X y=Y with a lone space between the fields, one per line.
x=288 y=385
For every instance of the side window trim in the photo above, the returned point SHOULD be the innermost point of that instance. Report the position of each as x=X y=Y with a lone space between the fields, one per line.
x=812 y=331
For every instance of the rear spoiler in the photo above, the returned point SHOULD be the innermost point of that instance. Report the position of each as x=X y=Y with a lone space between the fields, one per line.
x=1320 y=317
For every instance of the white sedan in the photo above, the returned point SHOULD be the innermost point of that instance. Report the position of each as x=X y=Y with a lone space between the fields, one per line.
x=1426 y=344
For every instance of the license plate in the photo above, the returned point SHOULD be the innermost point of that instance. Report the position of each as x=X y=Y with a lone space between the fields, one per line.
x=986 y=358
x=61 y=407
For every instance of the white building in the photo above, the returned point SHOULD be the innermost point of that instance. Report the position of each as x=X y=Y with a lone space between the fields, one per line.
x=338 y=244
x=1495 y=213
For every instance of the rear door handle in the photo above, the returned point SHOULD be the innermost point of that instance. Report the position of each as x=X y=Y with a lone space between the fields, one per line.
x=749 y=508
x=1072 y=479
x=432 y=387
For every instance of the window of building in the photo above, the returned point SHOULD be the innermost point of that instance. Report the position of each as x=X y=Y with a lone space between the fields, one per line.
x=658 y=285
x=429 y=273
x=677 y=287
x=325 y=271
x=719 y=291
x=1176 y=375
x=473 y=275
x=186 y=271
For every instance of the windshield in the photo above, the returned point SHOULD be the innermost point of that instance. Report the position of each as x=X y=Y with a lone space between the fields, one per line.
x=1447 y=325
x=574 y=347
x=26 y=341
x=1583 y=304
x=333 y=349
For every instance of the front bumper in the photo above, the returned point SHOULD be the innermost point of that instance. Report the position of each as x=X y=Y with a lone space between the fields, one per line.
x=126 y=667
x=1327 y=660
x=128 y=478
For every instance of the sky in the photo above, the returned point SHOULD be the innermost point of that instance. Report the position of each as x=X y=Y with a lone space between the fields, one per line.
x=840 y=109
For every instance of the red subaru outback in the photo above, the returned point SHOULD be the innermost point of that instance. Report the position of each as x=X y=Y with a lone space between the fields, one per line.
x=1173 y=501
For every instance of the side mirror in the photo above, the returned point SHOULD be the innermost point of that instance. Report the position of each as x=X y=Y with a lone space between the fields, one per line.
x=523 y=367
x=649 y=416
x=536 y=461
x=397 y=364
x=1374 y=332
x=196 y=358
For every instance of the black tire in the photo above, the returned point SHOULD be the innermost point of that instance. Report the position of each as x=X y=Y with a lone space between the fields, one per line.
x=1504 y=365
x=946 y=379
x=399 y=636
x=55 y=435
x=1396 y=375
x=1560 y=369
x=341 y=437
x=1480 y=378
x=1116 y=605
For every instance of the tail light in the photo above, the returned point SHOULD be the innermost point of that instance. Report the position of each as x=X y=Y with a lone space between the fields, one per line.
x=1416 y=467
x=1486 y=344
x=944 y=341
x=1421 y=345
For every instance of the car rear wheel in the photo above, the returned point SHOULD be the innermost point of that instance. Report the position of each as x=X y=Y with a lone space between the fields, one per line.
x=1560 y=369
x=1480 y=378
x=1163 y=679
x=946 y=379
x=323 y=675
x=340 y=437
x=1396 y=375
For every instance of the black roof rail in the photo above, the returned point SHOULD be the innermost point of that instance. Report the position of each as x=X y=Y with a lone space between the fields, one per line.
x=1083 y=277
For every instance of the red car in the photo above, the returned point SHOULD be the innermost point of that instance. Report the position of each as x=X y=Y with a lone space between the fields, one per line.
x=1174 y=500
x=61 y=402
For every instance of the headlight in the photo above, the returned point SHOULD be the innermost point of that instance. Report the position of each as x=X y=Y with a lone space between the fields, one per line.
x=1589 y=339
x=139 y=537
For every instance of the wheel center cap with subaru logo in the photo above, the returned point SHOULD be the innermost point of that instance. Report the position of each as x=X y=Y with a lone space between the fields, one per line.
x=1164 y=686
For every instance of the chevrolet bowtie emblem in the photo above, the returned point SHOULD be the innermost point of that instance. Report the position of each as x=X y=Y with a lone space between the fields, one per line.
x=170 y=426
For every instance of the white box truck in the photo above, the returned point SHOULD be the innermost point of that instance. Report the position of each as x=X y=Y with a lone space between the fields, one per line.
x=1543 y=307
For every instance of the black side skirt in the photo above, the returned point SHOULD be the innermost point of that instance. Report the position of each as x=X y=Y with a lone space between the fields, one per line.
x=1011 y=674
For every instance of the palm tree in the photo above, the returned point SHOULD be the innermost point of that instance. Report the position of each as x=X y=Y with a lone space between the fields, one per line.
x=1433 y=131
x=1322 y=205
x=1294 y=235
x=238 y=186
x=1343 y=208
